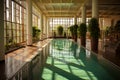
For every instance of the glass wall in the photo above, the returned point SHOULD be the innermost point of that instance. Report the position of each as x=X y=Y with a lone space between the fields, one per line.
x=36 y=23
x=14 y=22
x=35 y=20
x=35 y=17
x=65 y=22
x=79 y=21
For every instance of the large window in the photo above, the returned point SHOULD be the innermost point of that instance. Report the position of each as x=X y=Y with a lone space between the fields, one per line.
x=79 y=20
x=35 y=17
x=35 y=20
x=14 y=21
x=65 y=22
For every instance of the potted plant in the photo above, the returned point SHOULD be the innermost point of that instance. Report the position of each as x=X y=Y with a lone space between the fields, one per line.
x=64 y=34
x=73 y=30
x=94 y=34
x=60 y=30
x=82 y=29
x=54 y=34
x=117 y=29
x=35 y=33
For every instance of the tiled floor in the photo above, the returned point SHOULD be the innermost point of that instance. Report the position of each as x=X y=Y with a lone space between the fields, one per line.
x=16 y=59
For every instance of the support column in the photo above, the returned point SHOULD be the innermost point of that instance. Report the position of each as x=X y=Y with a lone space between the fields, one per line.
x=48 y=28
x=2 y=47
x=45 y=27
x=75 y=18
x=39 y=26
x=83 y=14
x=44 y=23
x=95 y=12
x=41 y=23
x=29 y=22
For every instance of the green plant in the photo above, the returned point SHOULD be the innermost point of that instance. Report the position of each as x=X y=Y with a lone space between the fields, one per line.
x=117 y=30
x=65 y=34
x=94 y=28
x=73 y=30
x=54 y=34
x=109 y=31
x=82 y=29
x=117 y=26
x=36 y=32
x=94 y=34
x=60 y=30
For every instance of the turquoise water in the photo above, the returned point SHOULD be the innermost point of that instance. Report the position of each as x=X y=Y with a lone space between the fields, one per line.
x=68 y=61
x=63 y=59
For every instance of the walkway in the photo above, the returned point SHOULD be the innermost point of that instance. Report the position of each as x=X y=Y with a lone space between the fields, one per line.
x=16 y=59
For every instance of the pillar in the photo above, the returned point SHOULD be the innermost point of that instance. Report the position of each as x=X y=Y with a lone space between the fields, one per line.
x=83 y=14
x=2 y=47
x=48 y=30
x=41 y=23
x=39 y=26
x=75 y=20
x=95 y=12
x=29 y=22
x=45 y=27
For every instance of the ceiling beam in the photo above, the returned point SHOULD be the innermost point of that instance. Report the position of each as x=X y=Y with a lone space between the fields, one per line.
x=63 y=4
x=44 y=5
x=79 y=11
x=35 y=4
x=52 y=11
x=60 y=7
x=52 y=7
x=69 y=8
x=116 y=4
x=59 y=15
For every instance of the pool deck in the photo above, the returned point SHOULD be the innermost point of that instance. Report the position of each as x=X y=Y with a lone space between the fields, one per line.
x=16 y=59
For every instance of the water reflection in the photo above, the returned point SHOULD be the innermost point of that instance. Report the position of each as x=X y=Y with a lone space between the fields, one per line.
x=60 y=44
x=88 y=53
x=64 y=60
x=32 y=70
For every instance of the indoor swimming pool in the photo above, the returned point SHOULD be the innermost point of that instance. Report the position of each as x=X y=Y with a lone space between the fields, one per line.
x=62 y=59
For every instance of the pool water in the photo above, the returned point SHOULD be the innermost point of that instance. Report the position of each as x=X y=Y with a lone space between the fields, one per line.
x=68 y=61
x=63 y=59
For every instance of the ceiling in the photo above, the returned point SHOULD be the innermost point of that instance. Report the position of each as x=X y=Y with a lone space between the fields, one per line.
x=65 y=8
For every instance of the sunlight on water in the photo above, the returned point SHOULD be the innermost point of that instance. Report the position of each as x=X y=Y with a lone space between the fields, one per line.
x=68 y=61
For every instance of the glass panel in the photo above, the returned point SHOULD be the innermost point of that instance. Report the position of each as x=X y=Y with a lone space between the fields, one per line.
x=13 y=26
x=14 y=19
x=13 y=12
x=7 y=14
x=5 y=41
x=14 y=32
x=4 y=33
x=17 y=39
